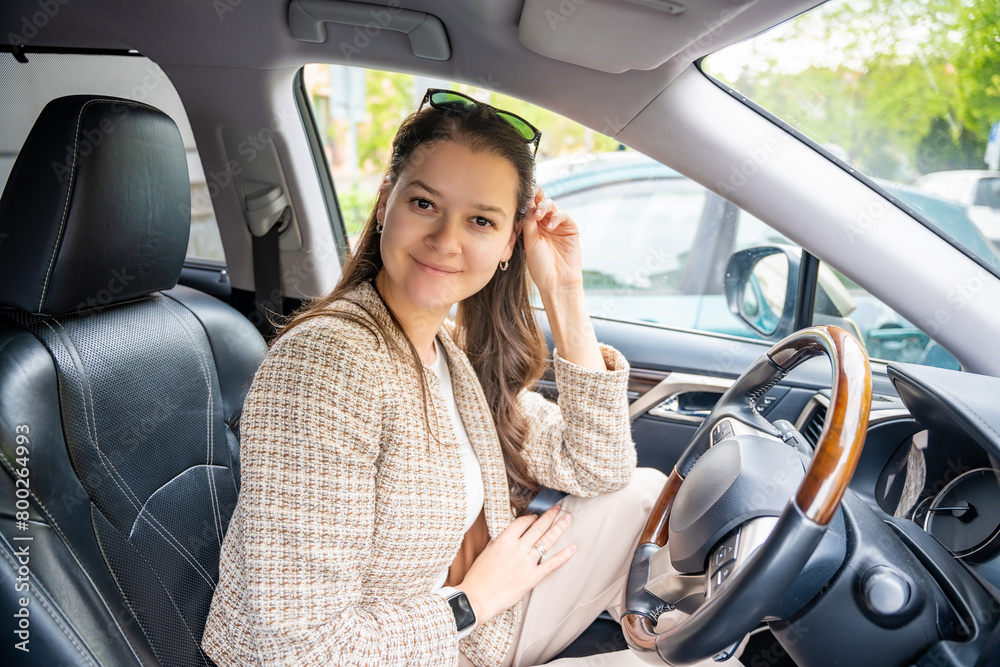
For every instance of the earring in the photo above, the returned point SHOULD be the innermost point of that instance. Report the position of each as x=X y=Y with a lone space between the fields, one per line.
x=378 y=228
x=504 y=265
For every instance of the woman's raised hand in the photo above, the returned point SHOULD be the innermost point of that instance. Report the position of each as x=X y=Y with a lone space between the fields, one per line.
x=552 y=245
x=511 y=565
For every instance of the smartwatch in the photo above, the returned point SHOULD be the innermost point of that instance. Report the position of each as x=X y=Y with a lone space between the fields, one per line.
x=465 y=615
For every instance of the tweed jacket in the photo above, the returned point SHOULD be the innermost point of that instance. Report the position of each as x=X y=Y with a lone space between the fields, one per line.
x=349 y=511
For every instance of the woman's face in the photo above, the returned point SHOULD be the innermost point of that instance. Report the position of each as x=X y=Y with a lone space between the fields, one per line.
x=448 y=223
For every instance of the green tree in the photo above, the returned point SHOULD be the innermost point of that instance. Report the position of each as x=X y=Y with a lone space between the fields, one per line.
x=901 y=85
x=388 y=98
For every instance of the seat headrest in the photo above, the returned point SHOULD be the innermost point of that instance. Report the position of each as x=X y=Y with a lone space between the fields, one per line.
x=97 y=209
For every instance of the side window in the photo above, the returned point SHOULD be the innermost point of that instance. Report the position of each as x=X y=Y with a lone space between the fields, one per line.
x=655 y=243
x=663 y=217
x=25 y=89
x=886 y=334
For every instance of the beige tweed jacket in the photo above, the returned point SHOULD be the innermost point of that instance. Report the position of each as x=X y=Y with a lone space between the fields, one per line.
x=349 y=512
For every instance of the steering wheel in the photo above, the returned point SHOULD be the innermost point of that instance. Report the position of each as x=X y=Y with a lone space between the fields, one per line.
x=713 y=552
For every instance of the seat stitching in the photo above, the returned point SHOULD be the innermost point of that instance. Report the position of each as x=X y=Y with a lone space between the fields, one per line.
x=102 y=457
x=93 y=436
x=163 y=486
x=68 y=194
x=135 y=504
x=69 y=188
x=194 y=561
x=166 y=590
x=226 y=419
x=210 y=455
x=41 y=598
x=66 y=543
x=114 y=576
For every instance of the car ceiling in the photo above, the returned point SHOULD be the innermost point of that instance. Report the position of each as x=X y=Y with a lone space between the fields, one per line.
x=483 y=36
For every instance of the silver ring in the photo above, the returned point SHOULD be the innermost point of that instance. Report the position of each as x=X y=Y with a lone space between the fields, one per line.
x=540 y=549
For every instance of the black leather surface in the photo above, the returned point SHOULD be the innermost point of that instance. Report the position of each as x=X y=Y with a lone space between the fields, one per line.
x=955 y=402
x=131 y=461
x=544 y=500
x=97 y=207
x=65 y=558
x=143 y=484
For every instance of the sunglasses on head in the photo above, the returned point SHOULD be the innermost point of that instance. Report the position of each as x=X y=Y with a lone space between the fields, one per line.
x=449 y=100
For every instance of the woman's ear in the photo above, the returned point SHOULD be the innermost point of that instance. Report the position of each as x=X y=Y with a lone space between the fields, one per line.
x=383 y=198
x=514 y=233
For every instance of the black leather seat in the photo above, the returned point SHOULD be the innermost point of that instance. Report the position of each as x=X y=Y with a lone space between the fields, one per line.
x=118 y=390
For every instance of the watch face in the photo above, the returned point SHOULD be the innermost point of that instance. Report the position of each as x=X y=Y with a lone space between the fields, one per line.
x=465 y=617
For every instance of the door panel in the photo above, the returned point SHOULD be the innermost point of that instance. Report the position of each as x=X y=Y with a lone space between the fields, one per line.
x=682 y=369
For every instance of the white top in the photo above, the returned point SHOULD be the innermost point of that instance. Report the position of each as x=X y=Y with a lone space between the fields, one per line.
x=475 y=492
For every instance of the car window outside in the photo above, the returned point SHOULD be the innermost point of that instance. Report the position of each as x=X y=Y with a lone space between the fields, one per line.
x=25 y=89
x=906 y=94
x=655 y=243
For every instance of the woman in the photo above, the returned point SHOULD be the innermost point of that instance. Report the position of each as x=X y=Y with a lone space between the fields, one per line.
x=386 y=450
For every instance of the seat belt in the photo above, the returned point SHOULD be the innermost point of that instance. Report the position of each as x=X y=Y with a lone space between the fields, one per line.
x=266 y=208
x=267 y=279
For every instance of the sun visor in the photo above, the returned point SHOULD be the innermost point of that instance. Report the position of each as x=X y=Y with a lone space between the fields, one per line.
x=618 y=35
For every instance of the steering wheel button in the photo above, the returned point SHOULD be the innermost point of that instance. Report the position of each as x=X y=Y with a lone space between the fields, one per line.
x=723 y=566
x=724 y=573
x=726 y=553
x=722 y=431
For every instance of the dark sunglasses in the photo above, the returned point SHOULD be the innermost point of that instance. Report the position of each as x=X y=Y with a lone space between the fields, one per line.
x=449 y=100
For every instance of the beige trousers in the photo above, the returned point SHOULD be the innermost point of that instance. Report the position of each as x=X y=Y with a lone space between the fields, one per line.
x=605 y=530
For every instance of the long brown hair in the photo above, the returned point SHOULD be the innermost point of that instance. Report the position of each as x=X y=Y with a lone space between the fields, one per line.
x=495 y=327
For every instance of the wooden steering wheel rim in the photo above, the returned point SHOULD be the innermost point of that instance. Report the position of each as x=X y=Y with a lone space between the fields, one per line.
x=833 y=463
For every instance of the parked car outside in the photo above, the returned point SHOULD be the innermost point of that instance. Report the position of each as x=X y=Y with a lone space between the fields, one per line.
x=630 y=206
x=978 y=190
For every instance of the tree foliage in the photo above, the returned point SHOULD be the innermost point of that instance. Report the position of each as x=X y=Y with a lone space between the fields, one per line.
x=902 y=86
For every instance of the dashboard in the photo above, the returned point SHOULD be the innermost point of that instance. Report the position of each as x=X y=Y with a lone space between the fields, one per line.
x=932 y=457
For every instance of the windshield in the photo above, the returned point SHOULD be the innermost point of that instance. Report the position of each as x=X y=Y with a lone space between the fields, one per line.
x=907 y=92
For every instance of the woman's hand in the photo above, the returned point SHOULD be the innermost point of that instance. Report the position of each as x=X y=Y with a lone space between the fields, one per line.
x=552 y=245
x=555 y=262
x=509 y=566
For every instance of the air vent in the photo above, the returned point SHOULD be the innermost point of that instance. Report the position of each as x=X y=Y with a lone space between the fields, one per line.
x=814 y=425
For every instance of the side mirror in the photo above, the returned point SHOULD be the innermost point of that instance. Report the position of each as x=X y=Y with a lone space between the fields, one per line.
x=761 y=286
